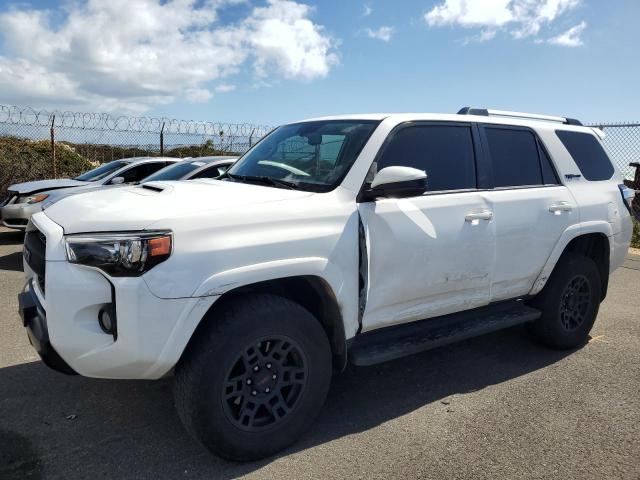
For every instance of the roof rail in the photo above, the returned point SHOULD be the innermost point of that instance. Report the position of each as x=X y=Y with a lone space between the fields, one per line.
x=486 y=112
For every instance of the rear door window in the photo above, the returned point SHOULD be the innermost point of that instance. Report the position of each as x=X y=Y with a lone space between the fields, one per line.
x=445 y=152
x=211 y=172
x=587 y=152
x=514 y=157
x=138 y=172
x=549 y=176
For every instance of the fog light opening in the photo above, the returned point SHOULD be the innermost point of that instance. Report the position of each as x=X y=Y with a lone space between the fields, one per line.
x=107 y=320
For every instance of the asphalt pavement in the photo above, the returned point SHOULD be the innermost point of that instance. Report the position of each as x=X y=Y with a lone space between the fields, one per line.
x=494 y=407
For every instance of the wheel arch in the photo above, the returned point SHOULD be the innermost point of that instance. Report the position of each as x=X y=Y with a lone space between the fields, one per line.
x=592 y=242
x=596 y=247
x=310 y=291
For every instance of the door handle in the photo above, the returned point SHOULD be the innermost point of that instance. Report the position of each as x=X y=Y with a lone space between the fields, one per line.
x=476 y=215
x=558 y=208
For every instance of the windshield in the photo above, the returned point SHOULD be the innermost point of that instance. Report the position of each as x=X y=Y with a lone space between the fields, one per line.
x=174 y=172
x=313 y=156
x=101 y=172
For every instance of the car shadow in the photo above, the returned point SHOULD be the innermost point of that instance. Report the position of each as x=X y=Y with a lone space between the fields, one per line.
x=11 y=237
x=12 y=261
x=74 y=427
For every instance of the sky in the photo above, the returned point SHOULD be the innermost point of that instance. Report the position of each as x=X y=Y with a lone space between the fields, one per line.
x=276 y=61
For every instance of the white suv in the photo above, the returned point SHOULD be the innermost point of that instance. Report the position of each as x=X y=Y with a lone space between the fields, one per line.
x=356 y=238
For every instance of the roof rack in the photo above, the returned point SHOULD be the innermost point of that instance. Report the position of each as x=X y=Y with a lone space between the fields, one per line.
x=486 y=112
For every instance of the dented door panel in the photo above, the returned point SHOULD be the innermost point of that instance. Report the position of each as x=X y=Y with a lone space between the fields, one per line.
x=426 y=257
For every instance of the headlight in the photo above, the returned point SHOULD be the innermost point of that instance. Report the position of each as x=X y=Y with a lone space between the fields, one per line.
x=34 y=198
x=120 y=254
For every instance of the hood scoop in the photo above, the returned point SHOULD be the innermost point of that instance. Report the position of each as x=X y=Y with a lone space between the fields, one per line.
x=153 y=188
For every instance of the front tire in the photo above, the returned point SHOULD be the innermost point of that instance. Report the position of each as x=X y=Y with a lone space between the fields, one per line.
x=255 y=378
x=569 y=303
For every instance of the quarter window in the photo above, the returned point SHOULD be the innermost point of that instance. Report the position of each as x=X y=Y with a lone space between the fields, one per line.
x=588 y=154
x=514 y=157
x=445 y=152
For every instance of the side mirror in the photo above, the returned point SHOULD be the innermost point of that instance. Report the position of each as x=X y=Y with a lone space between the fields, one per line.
x=117 y=181
x=397 y=182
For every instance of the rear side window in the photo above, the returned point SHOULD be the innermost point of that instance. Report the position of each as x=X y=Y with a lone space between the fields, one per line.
x=549 y=175
x=137 y=173
x=587 y=152
x=444 y=152
x=514 y=157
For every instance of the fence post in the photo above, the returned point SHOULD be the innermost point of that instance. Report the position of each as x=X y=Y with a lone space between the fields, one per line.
x=251 y=138
x=162 y=140
x=53 y=146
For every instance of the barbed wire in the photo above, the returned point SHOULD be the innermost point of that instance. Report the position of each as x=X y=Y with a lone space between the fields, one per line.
x=28 y=116
x=40 y=143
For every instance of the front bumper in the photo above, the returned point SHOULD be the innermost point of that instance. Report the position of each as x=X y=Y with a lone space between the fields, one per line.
x=17 y=215
x=34 y=319
x=151 y=332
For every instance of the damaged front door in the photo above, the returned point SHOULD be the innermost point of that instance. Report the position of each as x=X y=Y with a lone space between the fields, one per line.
x=431 y=254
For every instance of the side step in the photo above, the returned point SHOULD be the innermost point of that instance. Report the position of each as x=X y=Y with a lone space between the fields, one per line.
x=398 y=341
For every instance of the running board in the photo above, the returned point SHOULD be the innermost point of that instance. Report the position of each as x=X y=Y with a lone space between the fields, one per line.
x=399 y=341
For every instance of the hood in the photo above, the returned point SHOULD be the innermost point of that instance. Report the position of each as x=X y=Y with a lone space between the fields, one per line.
x=44 y=185
x=135 y=208
x=59 y=194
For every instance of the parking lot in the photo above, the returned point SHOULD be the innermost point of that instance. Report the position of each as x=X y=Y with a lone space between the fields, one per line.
x=497 y=406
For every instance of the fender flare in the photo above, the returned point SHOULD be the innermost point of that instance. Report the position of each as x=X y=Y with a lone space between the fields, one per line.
x=572 y=232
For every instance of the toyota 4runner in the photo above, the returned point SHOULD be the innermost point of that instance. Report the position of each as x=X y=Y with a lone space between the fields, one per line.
x=358 y=238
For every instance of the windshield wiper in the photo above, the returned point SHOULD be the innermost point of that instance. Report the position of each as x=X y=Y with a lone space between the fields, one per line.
x=276 y=182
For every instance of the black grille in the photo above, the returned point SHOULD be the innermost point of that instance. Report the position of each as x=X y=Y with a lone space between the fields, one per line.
x=35 y=247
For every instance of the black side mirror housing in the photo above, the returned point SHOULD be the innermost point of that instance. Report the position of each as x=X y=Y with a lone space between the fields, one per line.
x=407 y=188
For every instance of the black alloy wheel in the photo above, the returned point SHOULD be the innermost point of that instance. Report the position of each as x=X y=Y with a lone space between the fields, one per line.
x=265 y=383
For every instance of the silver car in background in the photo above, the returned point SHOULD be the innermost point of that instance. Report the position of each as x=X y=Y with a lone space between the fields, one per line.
x=192 y=168
x=25 y=199
x=187 y=169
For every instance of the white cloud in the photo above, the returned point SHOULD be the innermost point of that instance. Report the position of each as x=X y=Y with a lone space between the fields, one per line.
x=570 y=38
x=367 y=10
x=383 y=33
x=470 y=13
x=286 y=41
x=130 y=55
x=198 y=95
x=225 y=87
x=483 y=36
x=521 y=18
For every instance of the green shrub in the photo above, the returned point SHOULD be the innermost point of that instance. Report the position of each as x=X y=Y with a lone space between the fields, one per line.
x=635 y=239
x=26 y=160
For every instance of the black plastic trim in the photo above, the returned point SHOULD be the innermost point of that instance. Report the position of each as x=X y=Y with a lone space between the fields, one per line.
x=34 y=319
x=397 y=341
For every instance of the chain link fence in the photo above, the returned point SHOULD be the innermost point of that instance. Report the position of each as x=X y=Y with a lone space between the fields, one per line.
x=622 y=142
x=36 y=144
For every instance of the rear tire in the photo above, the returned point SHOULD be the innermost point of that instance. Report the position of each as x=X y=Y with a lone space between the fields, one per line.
x=255 y=377
x=569 y=303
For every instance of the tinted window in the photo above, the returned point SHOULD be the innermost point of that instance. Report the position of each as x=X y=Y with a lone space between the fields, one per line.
x=174 y=172
x=211 y=172
x=549 y=176
x=587 y=152
x=101 y=172
x=135 y=174
x=514 y=157
x=444 y=152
